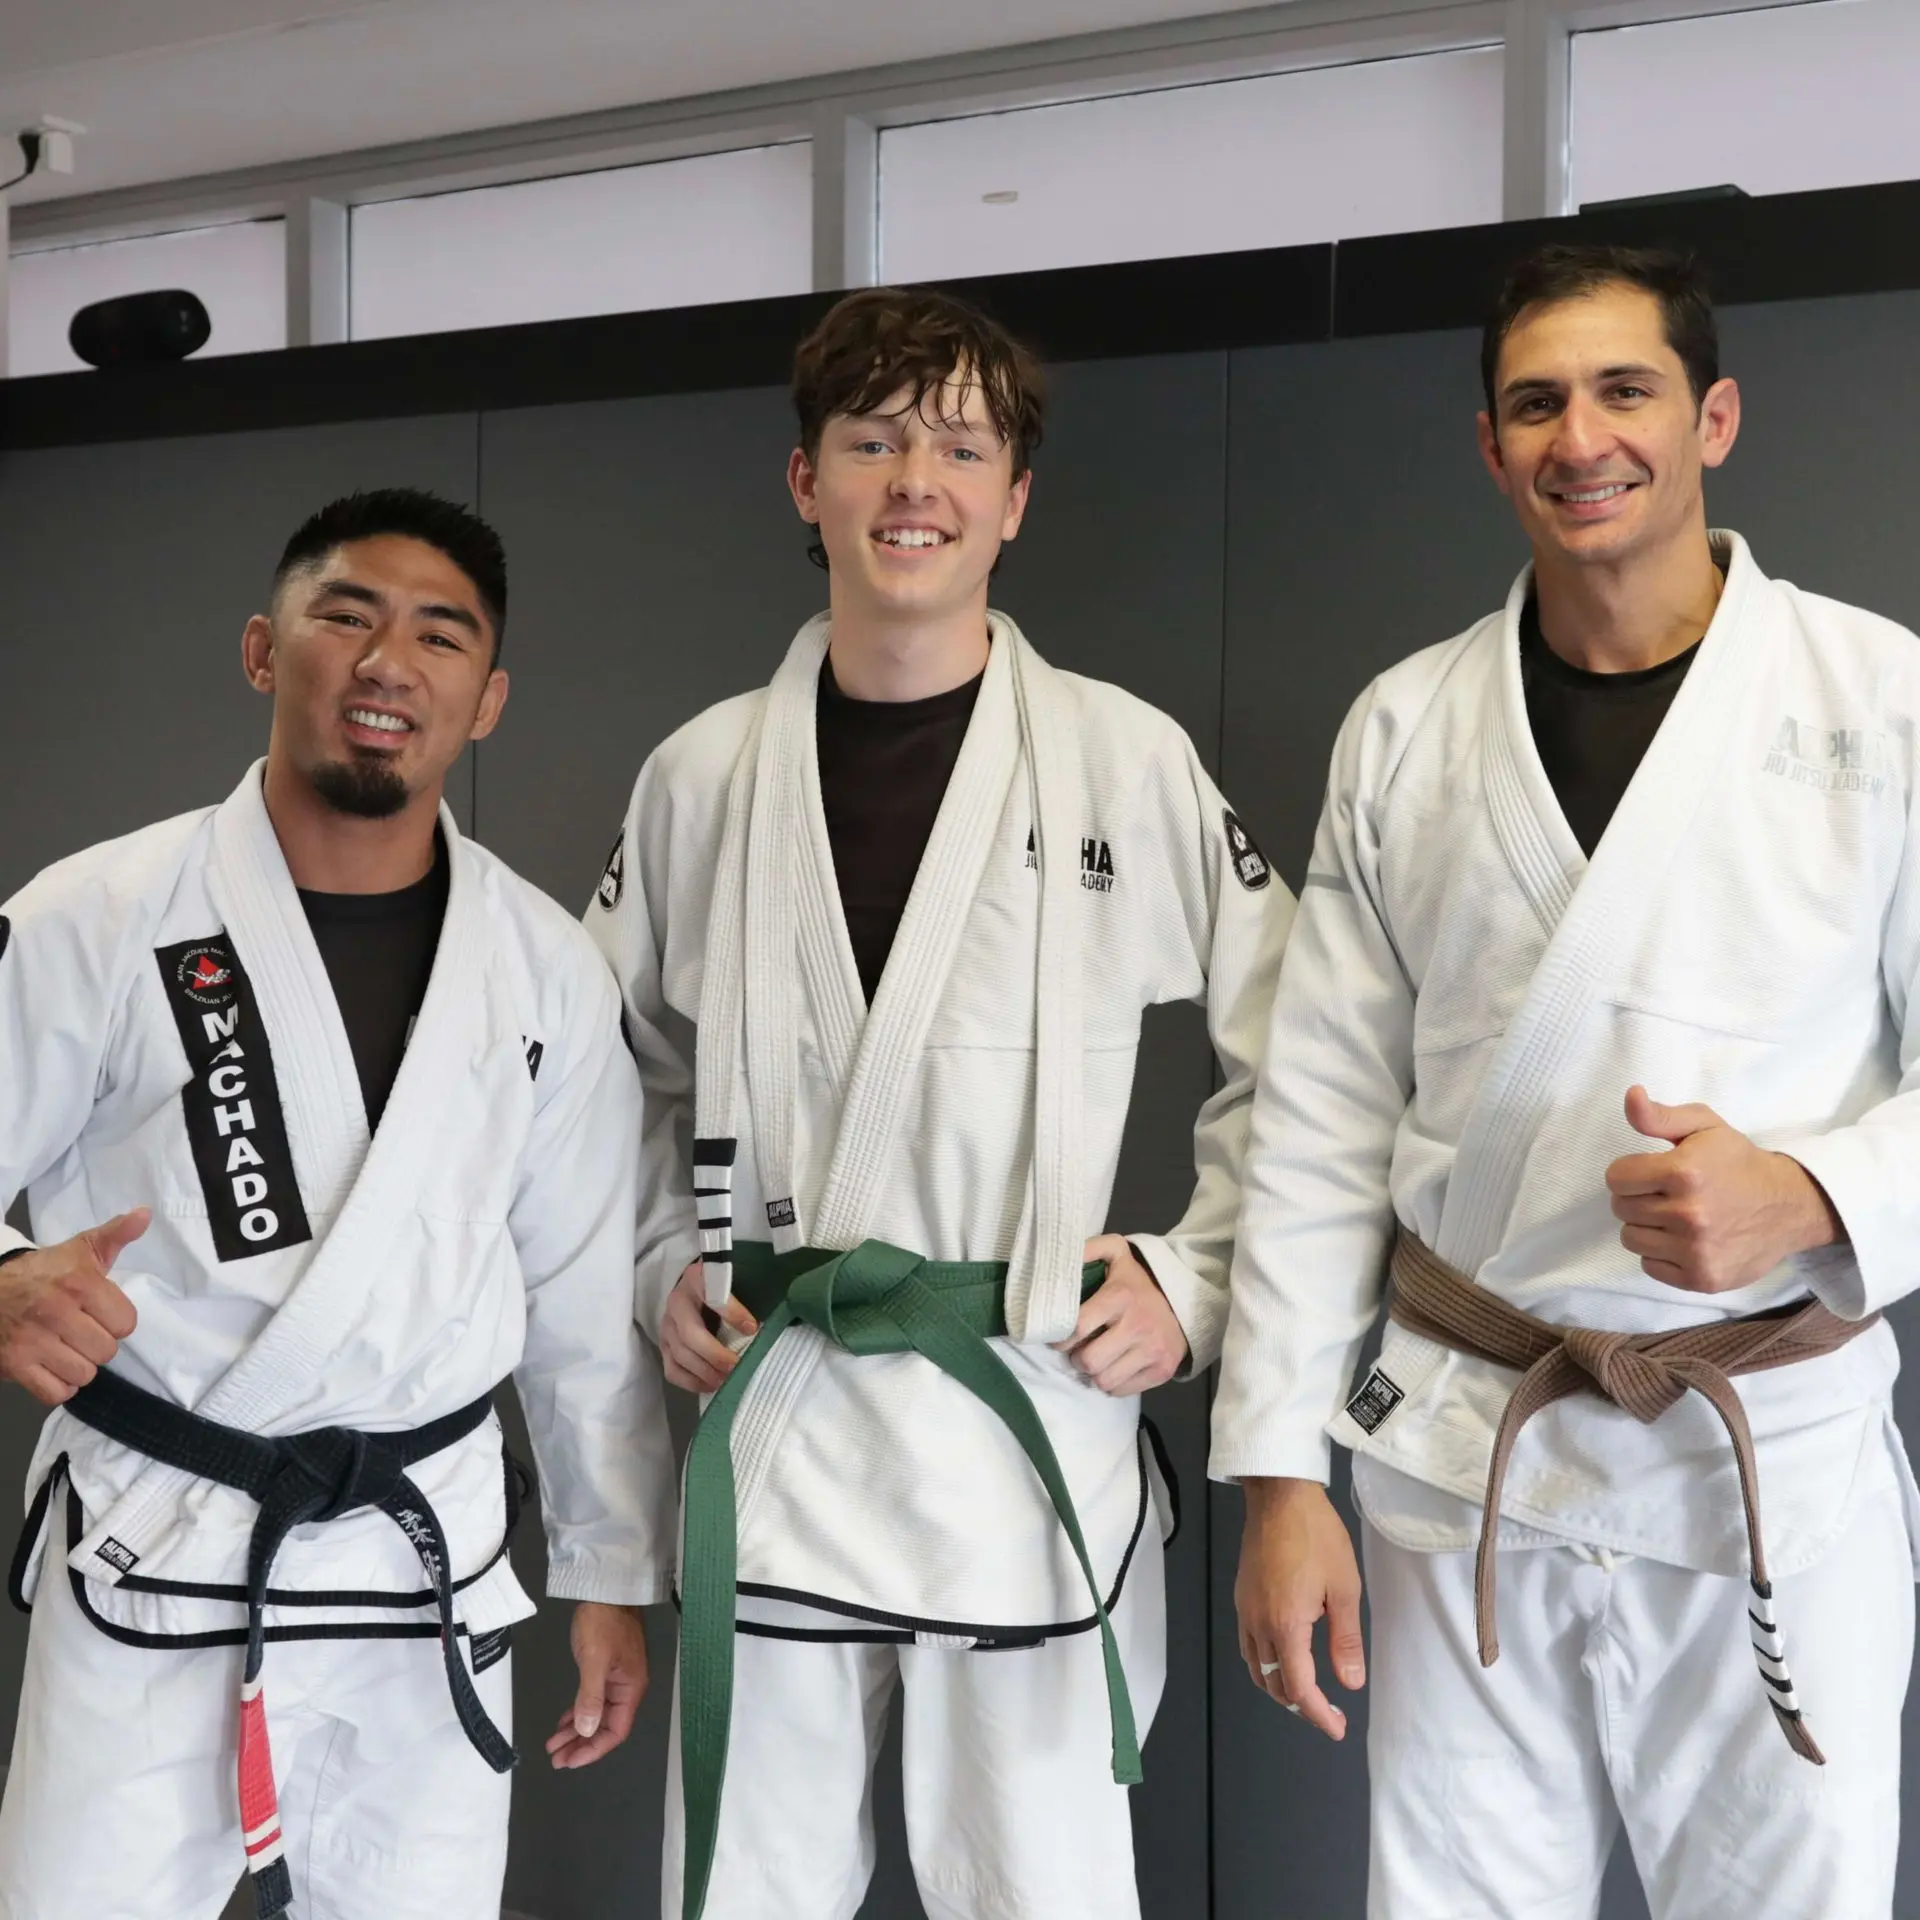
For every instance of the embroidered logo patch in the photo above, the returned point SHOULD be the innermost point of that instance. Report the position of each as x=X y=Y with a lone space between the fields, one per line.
x=613 y=878
x=1249 y=863
x=1378 y=1396
x=121 y=1559
x=486 y=1650
x=231 y=1103
x=779 y=1213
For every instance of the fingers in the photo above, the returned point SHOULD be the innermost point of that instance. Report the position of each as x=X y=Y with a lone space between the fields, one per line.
x=590 y=1703
x=102 y=1306
x=1660 y=1122
x=45 y=1387
x=111 y=1238
x=733 y=1310
x=1100 y=1309
x=1301 y=1685
x=691 y=1356
x=1346 y=1647
x=1635 y=1174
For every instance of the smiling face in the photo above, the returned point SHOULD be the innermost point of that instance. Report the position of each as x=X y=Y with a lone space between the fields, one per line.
x=913 y=504
x=379 y=657
x=1598 y=439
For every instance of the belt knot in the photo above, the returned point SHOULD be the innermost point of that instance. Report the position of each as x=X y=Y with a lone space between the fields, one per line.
x=349 y=1469
x=845 y=1297
x=1631 y=1378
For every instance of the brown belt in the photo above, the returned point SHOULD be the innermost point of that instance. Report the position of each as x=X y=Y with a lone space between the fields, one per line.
x=1642 y=1373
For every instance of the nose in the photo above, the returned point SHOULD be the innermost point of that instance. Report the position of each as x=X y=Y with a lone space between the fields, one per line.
x=383 y=664
x=1585 y=435
x=916 y=477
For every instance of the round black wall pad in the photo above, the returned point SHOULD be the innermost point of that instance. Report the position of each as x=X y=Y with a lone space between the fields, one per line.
x=139 y=329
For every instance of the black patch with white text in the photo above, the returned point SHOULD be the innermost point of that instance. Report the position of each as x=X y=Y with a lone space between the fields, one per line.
x=486 y=1650
x=779 y=1213
x=613 y=877
x=1378 y=1396
x=1250 y=866
x=122 y=1559
x=231 y=1103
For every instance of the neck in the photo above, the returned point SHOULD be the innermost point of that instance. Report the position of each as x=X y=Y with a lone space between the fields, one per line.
x=1620 y=619
x=331 y=852
x=880 y=658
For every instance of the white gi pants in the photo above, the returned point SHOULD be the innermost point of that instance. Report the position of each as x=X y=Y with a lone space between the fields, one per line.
x=121 y=1803
x=1006 y=1762
x=1626 y=1691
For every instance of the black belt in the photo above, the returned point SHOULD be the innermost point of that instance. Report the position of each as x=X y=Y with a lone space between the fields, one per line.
x=319 y=1475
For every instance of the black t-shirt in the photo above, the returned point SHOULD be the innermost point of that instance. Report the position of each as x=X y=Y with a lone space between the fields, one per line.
x=884 y=768
x=378 y=949
x=1592 y=729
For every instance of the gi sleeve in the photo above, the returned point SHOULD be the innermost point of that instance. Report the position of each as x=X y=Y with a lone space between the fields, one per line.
x=627 y=922
x=1316 y=1218
x=62 y=954
x=1235 y=914
x=590 y=1387
x=1868 y=1168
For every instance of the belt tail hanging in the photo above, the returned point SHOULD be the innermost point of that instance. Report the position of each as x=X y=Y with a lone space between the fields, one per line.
x=1770 y=1654
x=260 y=1803
x=713 y=1200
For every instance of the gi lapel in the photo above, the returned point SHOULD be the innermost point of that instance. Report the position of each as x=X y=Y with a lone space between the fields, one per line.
x=276 y=1384
x=1585 y=917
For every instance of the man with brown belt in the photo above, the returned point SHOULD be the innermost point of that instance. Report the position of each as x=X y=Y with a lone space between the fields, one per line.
x=1649 y=827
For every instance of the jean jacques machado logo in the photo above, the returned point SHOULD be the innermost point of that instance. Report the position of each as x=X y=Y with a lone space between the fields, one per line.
x=205 y=977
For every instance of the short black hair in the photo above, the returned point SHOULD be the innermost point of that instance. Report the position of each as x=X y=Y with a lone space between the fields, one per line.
x=1551 y=274
x=413 y=514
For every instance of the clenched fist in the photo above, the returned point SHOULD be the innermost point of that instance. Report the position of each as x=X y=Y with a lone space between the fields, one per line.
x=61 y=1318
x=1128 y=1337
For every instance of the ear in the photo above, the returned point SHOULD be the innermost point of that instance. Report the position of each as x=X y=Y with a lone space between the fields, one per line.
x=1719 y=422
x=803 y=484
x=1016 y=505
x=1490 y=455
x=493 y=698
x=256 y=653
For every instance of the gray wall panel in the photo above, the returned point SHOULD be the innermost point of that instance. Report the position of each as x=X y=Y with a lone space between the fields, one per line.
x=658 y=566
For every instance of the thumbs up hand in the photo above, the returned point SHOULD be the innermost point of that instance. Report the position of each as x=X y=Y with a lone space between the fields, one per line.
x=61 y=1318
x=1712 y=1211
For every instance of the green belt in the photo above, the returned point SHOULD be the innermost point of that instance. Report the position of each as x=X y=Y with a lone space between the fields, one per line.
x=875 y=1299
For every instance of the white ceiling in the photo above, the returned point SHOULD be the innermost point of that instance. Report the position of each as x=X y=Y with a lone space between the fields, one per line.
x=171 y=88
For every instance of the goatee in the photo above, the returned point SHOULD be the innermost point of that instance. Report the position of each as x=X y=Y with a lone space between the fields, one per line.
x=368 y=789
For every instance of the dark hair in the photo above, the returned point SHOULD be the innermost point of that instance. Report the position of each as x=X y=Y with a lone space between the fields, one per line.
x=463 y=537
x=1552 y=274
x=883 y=341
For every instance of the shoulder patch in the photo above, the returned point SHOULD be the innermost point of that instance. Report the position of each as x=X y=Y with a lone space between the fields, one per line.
x=1378 y=1396
x=1249 y=863
x=613 y=878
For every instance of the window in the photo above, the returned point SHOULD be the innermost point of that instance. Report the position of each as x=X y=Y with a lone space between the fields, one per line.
x=1795 y=97
x=1319 y=155
x=239 y=272
x=722 y=226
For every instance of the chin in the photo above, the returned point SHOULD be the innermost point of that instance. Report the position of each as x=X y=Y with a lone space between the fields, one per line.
x=361 y=786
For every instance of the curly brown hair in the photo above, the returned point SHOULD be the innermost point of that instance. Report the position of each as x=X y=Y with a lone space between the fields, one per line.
x=883 y=341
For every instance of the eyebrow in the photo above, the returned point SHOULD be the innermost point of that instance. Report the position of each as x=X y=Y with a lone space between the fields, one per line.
x=368 y=597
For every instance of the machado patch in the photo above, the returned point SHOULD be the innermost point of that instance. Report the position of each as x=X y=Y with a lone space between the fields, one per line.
x=1250 y=866
x=231 y=1102
x=1378 y=1396
x=613 y=877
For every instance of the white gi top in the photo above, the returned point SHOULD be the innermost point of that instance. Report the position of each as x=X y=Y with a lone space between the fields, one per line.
x=1467 y=1000
x=878 y=1487
x=298 y=1274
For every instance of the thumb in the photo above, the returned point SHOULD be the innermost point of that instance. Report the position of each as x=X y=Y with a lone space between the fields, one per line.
x=1660 y=1122
x=591 y=1701
x=109 y=1240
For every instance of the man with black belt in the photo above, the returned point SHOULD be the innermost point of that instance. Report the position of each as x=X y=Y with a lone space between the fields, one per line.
x=326 y=1128
x=1651 y=827
x=885 y=932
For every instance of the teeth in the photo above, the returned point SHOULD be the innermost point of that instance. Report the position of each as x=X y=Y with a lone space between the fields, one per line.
x=1595 y=493
x=379 y=722
x=912 y=537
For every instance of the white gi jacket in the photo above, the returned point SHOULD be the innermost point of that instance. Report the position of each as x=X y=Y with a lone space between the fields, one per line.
x=877 y=1488
x=299 y=1275
x=1465 y=1003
